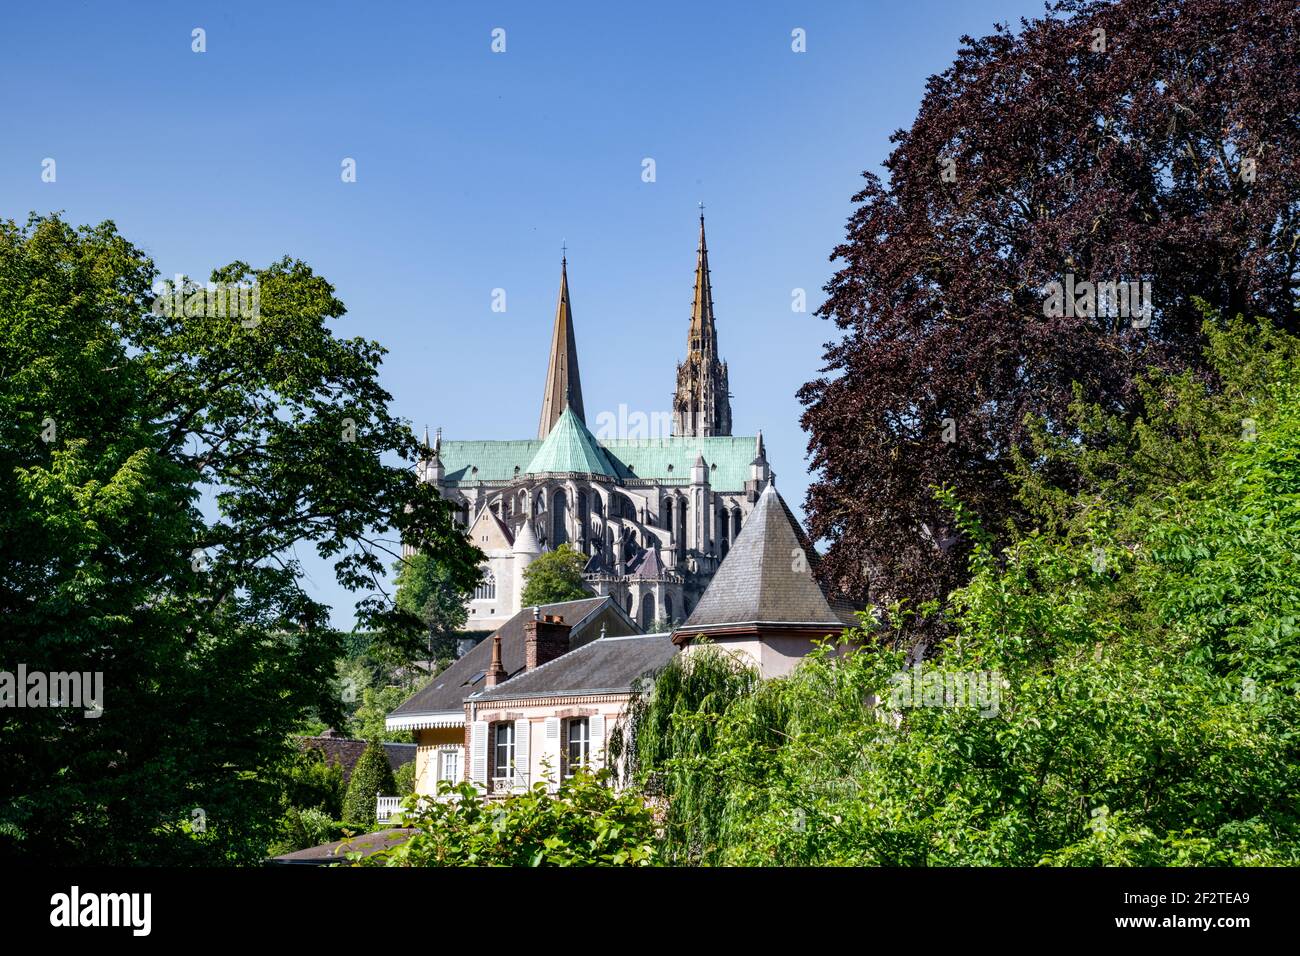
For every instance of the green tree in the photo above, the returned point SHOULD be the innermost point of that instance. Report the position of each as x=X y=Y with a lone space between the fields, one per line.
x=1119 y=689
x=159 y=472
x=311 y=801
x=586 y=823
x=428 y=589
x=404 y=777
x=372 y=776
x=554 y=577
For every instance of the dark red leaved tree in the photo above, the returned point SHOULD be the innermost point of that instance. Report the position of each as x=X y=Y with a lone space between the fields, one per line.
x=1165 y=149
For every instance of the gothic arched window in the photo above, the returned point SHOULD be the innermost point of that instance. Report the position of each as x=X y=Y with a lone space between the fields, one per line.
x=647 y=612
x=559 y=518
x=487 y=588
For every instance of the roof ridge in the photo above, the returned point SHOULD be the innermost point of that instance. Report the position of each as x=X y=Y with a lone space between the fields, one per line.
x=540 y=667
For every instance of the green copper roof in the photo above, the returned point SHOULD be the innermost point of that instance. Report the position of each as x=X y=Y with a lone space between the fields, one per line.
x=670 y=459
x=570 y=448
x=655 y=459
x=470 y=461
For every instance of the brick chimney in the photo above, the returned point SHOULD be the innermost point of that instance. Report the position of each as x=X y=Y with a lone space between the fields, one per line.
x=545 y=639
x=495 y=673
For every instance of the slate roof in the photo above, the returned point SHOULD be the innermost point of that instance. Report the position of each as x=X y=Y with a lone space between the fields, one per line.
x=345 y=751
x=667 y=460
x=649 y=566
x=606 y=666
x=768 y=576
x=448 y=690
x=367 y=844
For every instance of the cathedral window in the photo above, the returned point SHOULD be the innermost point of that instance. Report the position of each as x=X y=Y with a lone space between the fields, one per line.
x=487 y=588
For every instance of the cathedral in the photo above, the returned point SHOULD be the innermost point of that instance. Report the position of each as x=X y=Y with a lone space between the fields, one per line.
x=654 y=516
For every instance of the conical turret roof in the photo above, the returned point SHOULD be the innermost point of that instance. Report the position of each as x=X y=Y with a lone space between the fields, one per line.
x=768 y=575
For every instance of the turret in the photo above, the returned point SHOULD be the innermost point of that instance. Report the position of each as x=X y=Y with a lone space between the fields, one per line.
x=525 y=550
x=760 y=473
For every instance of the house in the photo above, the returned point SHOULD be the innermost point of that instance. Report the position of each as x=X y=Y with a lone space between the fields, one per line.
x=554 y=717
x=436 y=714
x=765 y=601
x=544 y=692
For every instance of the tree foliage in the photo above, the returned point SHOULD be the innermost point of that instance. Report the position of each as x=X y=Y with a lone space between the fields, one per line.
x=1138 y=140
x=427 y=588
x=586 y=823
x=555 y=576
x=158 y=472
x=1138 y=646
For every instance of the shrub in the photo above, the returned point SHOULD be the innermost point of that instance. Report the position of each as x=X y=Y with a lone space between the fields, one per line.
x=371 y=776
x=586 y=823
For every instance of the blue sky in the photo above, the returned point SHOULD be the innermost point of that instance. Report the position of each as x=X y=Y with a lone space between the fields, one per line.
x=473 y=166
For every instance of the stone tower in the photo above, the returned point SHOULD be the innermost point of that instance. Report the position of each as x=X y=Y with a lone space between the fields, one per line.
x=702 y=405
x=563 y=385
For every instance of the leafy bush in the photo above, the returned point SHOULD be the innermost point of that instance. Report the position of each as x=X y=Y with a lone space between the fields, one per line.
x=309 y=781
x=1134 y=658
x=306 y=827
x=586 y=823
x=404 y=777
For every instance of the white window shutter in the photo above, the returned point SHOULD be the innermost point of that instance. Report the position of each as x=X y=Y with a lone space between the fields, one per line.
x=521 y=753
x=596 y=728
x=478 y=746
x=551 y=751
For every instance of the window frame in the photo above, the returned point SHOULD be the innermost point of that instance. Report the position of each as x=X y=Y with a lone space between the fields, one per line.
x=496 y=750
x=584 y=742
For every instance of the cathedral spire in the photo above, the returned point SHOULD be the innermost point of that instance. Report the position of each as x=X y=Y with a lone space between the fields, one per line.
x=702 y=404
x=704 y=335
x=563 y=385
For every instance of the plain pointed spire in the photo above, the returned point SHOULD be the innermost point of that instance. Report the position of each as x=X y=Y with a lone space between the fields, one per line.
x=563 y=383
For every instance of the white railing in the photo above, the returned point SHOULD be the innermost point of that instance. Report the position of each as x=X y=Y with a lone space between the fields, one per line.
x=516 y=783
x=388 y=809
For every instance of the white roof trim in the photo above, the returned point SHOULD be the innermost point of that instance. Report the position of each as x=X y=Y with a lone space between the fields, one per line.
x=449 y=718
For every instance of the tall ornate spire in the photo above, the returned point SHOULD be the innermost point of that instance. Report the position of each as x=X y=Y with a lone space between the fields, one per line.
x=704 y=335
x=563 y=385
x=702 y=404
